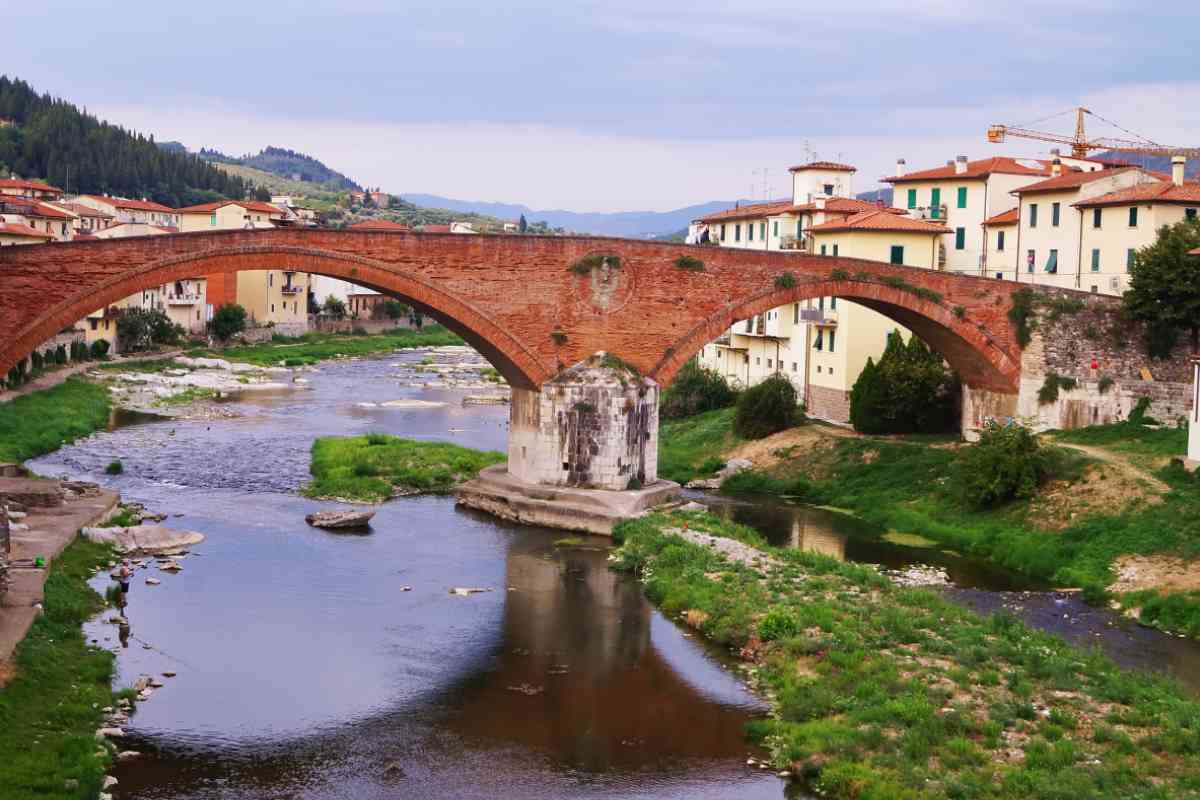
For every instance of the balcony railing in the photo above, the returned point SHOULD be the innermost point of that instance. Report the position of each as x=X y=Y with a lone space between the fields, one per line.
x=182 y=299
x=291 y=290
x=818 y=316
x=793 y=243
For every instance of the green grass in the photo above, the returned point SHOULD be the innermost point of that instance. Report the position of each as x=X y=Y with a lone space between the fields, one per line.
x=1146 y=447
x=314 y=347
x=373 y=467
x=44 y=421
x=192 y=394
x=687 y=447
x=51 y=709
x=878 y=691
x=1178 y=612
x=150 y=365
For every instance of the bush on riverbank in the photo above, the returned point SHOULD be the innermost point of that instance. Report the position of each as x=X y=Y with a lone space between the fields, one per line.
x=1007 y=463
x=374 y=467
x=313 y=347
x=887 y=692
x=688 y=448
x=694 y=391
x=766 y=408
x=50 y=710
x=41 y=422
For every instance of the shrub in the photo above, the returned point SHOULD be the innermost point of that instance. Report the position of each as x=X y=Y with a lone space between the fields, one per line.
x=696 y=390
x=689 y=263
x=595 y=261
x=910 y=390
x=785 y=280
x=767 y=408
x=1051 y=385
x=1021 y=314
x=228 y=320
x=389 y=309
x=99 y=349
x=1007 y=463
x=60 y=354
x=1138 y=415
x=334 y=307
x=142 y=328
x=114 y=468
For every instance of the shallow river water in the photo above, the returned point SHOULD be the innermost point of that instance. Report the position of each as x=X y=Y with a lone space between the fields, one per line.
x=307 y=670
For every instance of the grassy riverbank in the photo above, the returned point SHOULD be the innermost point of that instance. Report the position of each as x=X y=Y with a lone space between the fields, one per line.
x=50 y=710
x=376 y=466
x=44 y=421
x=884 y=692
x=691 y=447
x=313 y=347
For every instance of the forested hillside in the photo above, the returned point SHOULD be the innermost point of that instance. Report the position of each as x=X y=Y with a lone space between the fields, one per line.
x=51 y=139
x=287 y=164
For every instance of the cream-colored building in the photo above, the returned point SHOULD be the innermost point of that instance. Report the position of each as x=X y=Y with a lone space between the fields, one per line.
x=13 y=233
x=37 y=215
x=123 y=209
x=33 y=190
x=1050 y=226
x=1000 y=238
x=275 y=297
x=1118 y=224
x=84 y=219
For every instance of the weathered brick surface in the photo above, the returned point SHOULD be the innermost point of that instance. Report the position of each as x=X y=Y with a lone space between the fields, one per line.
x=517 y=299
x=828 y=404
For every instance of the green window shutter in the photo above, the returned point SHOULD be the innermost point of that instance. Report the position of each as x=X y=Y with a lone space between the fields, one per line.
x=897 y=254
x=1052 y=262
x=1095 y=259
x=799 y=227
x=1096 y=215
x=835 y=249
x=912 y=198
x=935 y=202
x=1033 y=215
x=1130 y=255
x=737 y=232
x=775 y=228
x=822 y=249
x=962 y=197
x=960 y=238
x=1133 y=217
x=762 y=230
x=1030 y=260
x=1055 y=214
x=722 y=233
x=832 y=340
x=833 y=304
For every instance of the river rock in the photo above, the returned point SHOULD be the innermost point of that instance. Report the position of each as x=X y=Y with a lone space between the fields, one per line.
x=340 y=519
x=126 y=755
x=412 y=404
x=109 y=782
x=144 y=538
x=153 y=581
x=732 y=467
x=467 y=591
x=109 y=733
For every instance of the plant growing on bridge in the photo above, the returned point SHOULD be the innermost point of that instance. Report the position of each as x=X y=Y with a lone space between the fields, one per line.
x=689 y=263
x=694 y=391
x=229 y=320
x=1164 y=288
x=840 y=275
x=910 y=390
x=1051 y=386
x=594 y=261
x=785 y=280
x=1021 y=315
x=559 y=337
x=766 y=408
x=390 y=309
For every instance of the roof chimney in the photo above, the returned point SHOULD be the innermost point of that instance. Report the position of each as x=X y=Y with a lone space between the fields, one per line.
x=820 y=201
x=1178 y=163
x=900 y=162
x=1056 y=167
x=960 y=165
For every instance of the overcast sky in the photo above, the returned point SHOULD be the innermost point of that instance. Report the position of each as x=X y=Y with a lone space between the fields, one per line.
x=612 y=105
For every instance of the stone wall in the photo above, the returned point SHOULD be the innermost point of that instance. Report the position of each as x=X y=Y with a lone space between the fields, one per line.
x=5 y=550
x=592 y=427
x=832 y=405
x=325 y=324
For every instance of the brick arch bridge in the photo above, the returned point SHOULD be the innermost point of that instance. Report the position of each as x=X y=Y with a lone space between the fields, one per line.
x=531 y=305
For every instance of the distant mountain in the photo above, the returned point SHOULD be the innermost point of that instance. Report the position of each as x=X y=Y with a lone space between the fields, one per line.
x=881 y=195
x=634 y=224
x=1155 y=163
x=286 y=164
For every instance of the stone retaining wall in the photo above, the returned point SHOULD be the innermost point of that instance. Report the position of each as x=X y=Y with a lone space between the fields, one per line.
x=832 y=405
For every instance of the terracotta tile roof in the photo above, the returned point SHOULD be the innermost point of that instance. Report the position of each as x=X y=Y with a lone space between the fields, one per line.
x=1195 y=252
x=976 y=169
x=249 y=205
x=833 y=205
x=846 y=205
x=880 y=220
x=382 y=225
x=15 y=183
x=132 y=205
x=435 y=228
x=83 y=237
x=15 y=229
x=749 y=211
x=29 y=207
x=1072 y=179
x=1158 y=192
x=1010 y=217
x=828 y=166
x=80 y=210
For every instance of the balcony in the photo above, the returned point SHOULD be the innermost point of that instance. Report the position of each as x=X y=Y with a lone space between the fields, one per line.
x=818 y=316
x=798 y=243
x=182 y=299
x=291 y=289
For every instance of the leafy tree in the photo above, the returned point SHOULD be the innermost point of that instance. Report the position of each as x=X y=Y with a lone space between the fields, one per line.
x=334 y=307
x=1164 y=288
x=390 y=309
x=695 y=390
x=766 y=408
x=262 y=194
x=100 y=349
x=228 y=320
x=523 y=224
x=141 y=328
x=910 y=390
x=1007 y=463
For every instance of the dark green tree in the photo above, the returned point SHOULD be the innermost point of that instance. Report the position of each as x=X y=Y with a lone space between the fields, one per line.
x=228 y=320
x=767 y=407
x=1164 y=288
x=695 y=390
x=142 y=328
x=910 y=390
x=523 y=224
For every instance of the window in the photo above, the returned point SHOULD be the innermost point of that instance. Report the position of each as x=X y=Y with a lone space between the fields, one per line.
x=796 y=314
x=828 y=188
x=1030 y=259
x=1097 y=213
x=775 y=228
x=820 y=303
x=833 y=304
x=1095 y=289
x=999 y=276
x=912 y=198
x=1189 y=213
x=962 y=197
x=897 y=254
x=819 y=344
x=737 y=232
x=749 y=231
x=835 y=249
x=270 y=279
x=1033 y=215
x=1052 y=261
x=769 y=364
x=799 y=227
x=935 y=203
x=1095 y=259
x=832 y=340
x=762 y=230
x=212 y=219
x=272 y=308
x=960 y=238
x=1130 y=254
x=1055 y=214
x=1000 y=241
x=1133 y=217
x=822 y=249
x=794 y=367
x=722 y=233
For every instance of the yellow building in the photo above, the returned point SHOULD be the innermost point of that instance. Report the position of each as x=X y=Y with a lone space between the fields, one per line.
x=1118 y=224
x=277 y=298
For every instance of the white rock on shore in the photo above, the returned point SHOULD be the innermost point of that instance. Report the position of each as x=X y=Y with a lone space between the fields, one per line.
x=339 y=519
x=144 y=538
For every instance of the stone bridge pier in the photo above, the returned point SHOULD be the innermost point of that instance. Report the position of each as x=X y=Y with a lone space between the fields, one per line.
x=582 y=451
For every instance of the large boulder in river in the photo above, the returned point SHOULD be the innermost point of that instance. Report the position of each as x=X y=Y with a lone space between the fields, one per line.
x=340 y=519
x=144 y=538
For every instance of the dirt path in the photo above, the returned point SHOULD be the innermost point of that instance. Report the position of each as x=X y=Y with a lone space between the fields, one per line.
x=1118 y=463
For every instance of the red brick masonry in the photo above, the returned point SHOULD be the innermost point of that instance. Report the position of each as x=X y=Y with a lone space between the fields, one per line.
x=517 y=298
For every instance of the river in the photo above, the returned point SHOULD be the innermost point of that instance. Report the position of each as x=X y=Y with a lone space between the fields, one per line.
x=321 y=665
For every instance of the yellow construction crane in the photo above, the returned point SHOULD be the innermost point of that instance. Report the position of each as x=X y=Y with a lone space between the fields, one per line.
x=1081 y=145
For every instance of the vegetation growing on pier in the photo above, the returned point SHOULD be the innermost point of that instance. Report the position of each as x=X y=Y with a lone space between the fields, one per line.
x=888 y=692
x=376 y=466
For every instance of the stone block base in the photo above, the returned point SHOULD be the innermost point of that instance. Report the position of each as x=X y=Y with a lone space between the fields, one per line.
x=588 y=510
x=831 y=405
